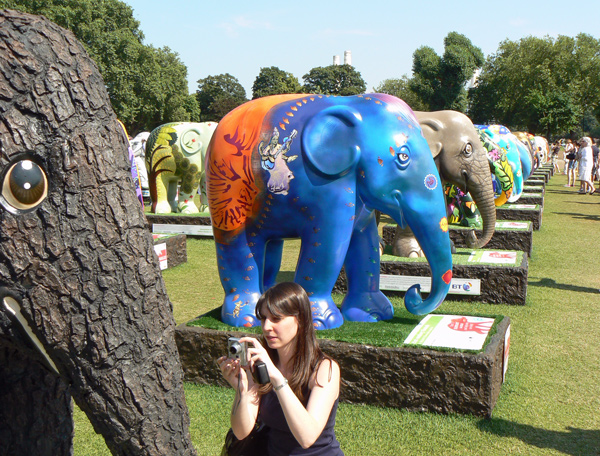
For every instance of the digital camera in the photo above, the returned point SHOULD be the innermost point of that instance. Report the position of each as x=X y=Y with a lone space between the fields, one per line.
x=239 y=350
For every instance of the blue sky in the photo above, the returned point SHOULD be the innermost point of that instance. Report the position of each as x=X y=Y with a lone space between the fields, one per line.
x=241 y=37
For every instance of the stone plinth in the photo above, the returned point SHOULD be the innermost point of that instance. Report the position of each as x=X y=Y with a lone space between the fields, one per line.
x=517 y=211
x=519 y=236
x=502 y=282
x=531 y=198
x=400 y=377
x=190 y=225
x=174 y=252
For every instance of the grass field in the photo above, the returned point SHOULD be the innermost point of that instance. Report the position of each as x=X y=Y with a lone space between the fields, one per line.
x=550 y=402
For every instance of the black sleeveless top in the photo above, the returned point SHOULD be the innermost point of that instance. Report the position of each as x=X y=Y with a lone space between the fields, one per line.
x=281 y=441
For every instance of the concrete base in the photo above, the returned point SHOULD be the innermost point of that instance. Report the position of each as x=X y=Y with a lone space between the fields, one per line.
x=400 y=377
x=503 y=238
x=498 y=283
x=518 y=211
x=176 y=249
x=530 y=188
x=531 y=198
x=190 y=225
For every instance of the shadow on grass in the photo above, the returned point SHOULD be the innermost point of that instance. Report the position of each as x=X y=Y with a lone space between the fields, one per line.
x=573 y=441
x=595 y=218
x=551 y=283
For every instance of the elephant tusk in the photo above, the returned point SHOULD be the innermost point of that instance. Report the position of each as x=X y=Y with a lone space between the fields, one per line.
x=14 y=309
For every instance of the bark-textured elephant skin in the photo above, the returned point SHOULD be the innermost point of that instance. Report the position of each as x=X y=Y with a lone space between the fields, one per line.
x=77 y=263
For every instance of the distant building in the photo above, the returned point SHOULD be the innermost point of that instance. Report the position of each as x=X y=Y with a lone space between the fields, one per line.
x=347 y=58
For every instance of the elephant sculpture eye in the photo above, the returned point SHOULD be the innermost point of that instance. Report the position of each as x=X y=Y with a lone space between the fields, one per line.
x=403 y=157
x=468 y=150
x=24 y=186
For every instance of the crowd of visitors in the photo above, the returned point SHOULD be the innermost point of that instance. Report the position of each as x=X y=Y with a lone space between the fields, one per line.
x=581 y=163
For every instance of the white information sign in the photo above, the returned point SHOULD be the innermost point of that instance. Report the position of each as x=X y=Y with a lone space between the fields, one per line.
x=515 y=225
x=451 y=331
x=522 y=206
x=493 y=257
x=506 y=353
x=161 y=252
x=402 y=283
x=191 y=230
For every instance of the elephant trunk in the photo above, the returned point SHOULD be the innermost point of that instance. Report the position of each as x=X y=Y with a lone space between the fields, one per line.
x=482 y=192
x=433 y=238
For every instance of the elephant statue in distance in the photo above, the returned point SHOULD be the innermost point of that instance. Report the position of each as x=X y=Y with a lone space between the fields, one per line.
x=502 y=174
x=462 y=161
x=543 y=149
x=175 y=154
x=84 y=312
x=528 y=140
x=501 y=136
x=317 y=168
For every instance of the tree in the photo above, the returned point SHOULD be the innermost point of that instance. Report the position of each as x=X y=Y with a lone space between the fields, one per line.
x=334 y=80
x=217 y=95
x=400 y=88
x=440 y=81
x=543 y=85
x=147 y=86
x=273 y=81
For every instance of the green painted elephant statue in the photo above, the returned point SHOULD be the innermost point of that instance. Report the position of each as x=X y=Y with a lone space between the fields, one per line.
x=175 y=155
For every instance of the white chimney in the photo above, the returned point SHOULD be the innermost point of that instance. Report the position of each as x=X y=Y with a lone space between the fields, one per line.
x=336 y=59
x=347 y=57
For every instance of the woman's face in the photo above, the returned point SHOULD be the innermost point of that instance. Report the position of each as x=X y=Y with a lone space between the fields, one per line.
x=279 y=332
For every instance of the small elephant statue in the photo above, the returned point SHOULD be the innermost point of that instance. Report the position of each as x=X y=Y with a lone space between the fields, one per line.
x=461 y=160
x=84 y=312
x=502 y=173
x=318 y=168
x=175 y=154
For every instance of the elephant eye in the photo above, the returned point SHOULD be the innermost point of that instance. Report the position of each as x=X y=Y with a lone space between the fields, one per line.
x=403 y=157
x=24 y=186
x=468 y=150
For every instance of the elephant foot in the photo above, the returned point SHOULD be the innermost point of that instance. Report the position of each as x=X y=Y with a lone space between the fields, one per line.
x=326 y=314
x=239 y=311
x=367 y=307
x=188 y=208
x=163 y=207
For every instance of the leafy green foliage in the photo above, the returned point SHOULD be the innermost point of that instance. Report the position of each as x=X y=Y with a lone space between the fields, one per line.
x=400 y=88
x=217 y=95
x=542 y=85
x=334 y=80
x=440 y=81
x=147 y=86
x=273 y=81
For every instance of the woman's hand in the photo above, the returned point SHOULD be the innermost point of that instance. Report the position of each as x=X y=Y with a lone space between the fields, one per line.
x=235 y=375
x=256 y=352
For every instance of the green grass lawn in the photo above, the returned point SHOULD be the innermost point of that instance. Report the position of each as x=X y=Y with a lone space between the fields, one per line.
x=550 y=402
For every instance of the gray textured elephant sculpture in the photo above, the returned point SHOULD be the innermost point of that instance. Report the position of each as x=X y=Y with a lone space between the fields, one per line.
x=83 y=309
x=462 y=161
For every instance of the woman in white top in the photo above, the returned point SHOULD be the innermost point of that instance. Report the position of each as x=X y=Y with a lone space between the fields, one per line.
x=586 y=162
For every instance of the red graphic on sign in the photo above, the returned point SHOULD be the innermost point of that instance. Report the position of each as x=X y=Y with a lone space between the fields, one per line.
x=464 y=325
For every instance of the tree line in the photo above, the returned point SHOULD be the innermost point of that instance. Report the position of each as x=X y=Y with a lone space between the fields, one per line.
x=548 y=86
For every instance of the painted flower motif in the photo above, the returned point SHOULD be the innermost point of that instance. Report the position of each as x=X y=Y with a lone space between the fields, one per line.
x=444 y=224
x=431 y=182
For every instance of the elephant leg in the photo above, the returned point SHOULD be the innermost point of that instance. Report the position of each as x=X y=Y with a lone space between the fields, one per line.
x=241 y=265
x=319 y=264
x=364 y=301
x=36 y=416
x=273 y=255
x=163 y=193
x=186 y=202
x=203 y=196
x=405 y=244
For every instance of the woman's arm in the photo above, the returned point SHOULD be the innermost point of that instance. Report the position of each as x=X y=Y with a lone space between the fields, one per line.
x=308 y=423
x=245 y=404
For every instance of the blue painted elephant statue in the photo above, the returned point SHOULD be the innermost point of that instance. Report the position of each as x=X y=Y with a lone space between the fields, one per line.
x=317 y=168
x=175 y=154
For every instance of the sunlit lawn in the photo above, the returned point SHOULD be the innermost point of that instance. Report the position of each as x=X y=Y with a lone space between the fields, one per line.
x=550 y=402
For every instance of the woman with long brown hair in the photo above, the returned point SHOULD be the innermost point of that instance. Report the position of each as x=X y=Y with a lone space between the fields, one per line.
x=299 y=404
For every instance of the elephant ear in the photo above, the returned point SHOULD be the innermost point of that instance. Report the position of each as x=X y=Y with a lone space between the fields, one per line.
x=329 y=140
x=432 y=129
